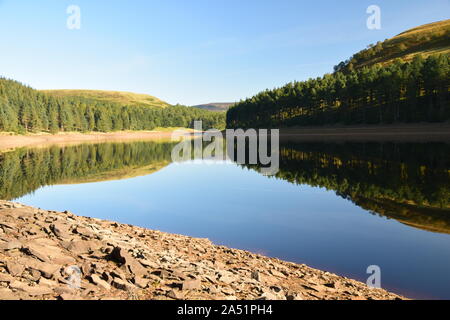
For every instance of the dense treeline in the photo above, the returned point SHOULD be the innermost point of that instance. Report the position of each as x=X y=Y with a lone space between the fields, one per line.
x=23 y=109
x=24 y=170
x=416 y=91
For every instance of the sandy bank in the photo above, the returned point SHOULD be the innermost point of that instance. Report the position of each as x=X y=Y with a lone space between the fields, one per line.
x=17 y=141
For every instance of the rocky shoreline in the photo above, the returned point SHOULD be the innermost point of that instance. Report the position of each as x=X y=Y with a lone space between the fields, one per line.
x=47 y=255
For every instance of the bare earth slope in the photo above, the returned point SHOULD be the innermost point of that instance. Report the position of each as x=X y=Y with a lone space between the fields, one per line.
x=40 y=249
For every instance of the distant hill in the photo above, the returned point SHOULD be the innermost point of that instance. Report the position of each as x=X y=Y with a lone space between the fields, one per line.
x=218 y=107
x=426 y=40
x=123 y=98
x=24 y=109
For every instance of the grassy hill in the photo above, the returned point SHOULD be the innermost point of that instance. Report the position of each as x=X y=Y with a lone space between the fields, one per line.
x=404 y=79
x=219 y=106
x=426 y=40
x=123 y=98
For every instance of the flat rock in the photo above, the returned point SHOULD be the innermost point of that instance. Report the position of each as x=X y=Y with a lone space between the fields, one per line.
x=100 y=282
x=191 y=285
x=7 y=294
x=141 y=282
x=4 y=277
x=60 y=230
x=15 y=269
x=32 y=291
x=47 y=270
x=122 y=285
x=174 y=294
x=70 y=297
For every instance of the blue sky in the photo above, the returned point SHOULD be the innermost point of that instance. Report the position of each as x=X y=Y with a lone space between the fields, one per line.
x=194 y=51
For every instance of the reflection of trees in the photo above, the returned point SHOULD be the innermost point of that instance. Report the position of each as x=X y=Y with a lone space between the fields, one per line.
x=406 y=181
x=25 y=170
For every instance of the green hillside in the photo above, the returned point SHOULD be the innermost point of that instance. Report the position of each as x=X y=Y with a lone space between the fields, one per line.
x=401 y=80
x=426 y=40
x=23 y=110
x=216 y=106
x=119 y=97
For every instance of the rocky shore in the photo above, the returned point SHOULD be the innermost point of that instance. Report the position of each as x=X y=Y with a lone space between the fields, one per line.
x=46 y=255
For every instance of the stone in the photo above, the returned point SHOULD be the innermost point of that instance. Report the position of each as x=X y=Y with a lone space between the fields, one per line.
x=141 y=282
x=83 y=231
x=13 y=245
x=294 y=296
x=7 y=294
x=4 y=277
x=64 y=260
x=15 y=269
x=70 y=297
x=60 y=230
x=79 y=246
x=122 y=256
x=45 y=250
x=118 y=274
x=47 y=270
x=256 y=276
x=149 y=264
x=122 y=285
x=191 y=285
x=228 y=291
x=277 y=273
x=87 y=269
x=276 y=289
x=35 y=275
x=163 y=274
x=63 y=290
x=270 y=296
x=174 y=294
x=48 y=283
x=226 y=277
x=100 y=282
x=32 y=291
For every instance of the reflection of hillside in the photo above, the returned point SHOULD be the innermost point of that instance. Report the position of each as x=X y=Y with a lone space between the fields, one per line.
x=430 y=219
x=25 y=170
x=118 y=174
x=408 y=182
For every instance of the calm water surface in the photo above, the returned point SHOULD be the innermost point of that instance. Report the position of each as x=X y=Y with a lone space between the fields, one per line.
x=338 y=207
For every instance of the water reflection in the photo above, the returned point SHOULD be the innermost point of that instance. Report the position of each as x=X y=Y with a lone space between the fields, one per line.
x=409 y=182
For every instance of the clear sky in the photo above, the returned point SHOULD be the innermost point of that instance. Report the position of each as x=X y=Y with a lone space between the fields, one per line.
x=193 y=51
